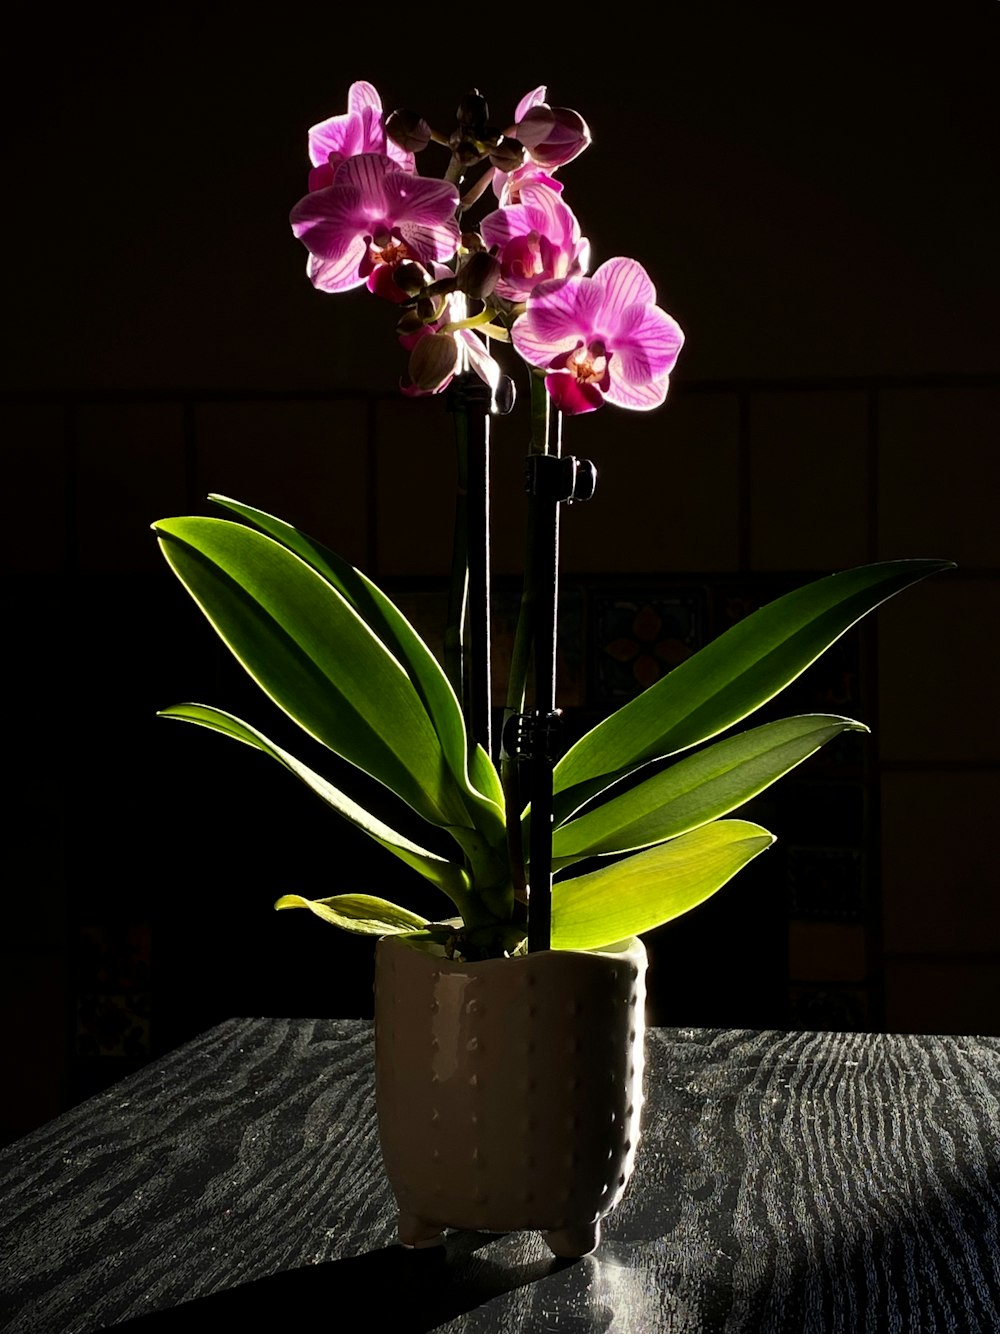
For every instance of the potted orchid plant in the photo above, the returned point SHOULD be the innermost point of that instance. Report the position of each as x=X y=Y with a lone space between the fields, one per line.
x=485 y=270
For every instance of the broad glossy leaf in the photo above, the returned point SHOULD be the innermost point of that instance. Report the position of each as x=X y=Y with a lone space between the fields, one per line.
x=695 y=790
x=308 y=649
x=730 y=677
x=363 y=914
x=652 y=887
x=446 y=875
x=385 y=619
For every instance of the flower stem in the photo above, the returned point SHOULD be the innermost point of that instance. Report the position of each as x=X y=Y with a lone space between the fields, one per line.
x=468 y=634
x=454 y=632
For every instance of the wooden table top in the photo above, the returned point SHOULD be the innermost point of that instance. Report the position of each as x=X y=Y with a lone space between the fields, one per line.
x=816 y=1182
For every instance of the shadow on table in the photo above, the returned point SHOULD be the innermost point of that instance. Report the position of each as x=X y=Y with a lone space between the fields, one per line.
x=408 y=1291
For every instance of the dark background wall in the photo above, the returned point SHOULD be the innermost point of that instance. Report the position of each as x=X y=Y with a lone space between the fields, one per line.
x=815 y=196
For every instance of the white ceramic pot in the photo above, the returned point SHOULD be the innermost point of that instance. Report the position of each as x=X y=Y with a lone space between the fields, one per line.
x=509 y=1090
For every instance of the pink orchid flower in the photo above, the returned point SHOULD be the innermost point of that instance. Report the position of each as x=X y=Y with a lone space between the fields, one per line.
x=361 y=130
x=507 y=185
x=552 y=136
x=536 y=240
x=374 y=215
x=602 y=337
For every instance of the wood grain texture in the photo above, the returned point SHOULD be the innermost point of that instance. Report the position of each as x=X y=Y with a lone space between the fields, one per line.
x=824 y=1183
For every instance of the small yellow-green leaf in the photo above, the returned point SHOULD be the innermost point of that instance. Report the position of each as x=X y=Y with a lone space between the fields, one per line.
x=649 y=888
x=364 y=914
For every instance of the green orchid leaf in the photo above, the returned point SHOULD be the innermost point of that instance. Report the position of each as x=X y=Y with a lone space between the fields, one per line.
x=363 y=914
x=696 y=790
x=314 y=656
x=486 y=779
x=729 y=678
x=445 y=875
x=385 y=620
x=649 y=888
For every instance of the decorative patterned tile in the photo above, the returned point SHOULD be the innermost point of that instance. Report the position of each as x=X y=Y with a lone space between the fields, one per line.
x=825 y=883
x=112 y=987
x=829 y=1009
x=637 y=636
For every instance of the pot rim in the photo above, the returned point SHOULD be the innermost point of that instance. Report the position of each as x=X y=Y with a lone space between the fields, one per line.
x=629 y=950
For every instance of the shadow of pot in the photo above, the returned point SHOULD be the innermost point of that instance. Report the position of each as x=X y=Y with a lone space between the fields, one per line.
x=509 y=1090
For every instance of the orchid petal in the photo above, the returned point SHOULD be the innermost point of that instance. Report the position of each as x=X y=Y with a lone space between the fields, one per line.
x=647 y=341
x=430 y=242
x=339 y=135
x=539 y=347
x=485 y=366
x=560 y=315
x=366 y=172
x=419 y=198
x=548 y=214
x=637 y=395
x=529 y=100
x=363 y=96
x=338 y=275
x=626 y=283
x=326 y=220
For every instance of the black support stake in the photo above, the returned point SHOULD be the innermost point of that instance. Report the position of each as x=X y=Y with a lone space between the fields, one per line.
x=550 y=480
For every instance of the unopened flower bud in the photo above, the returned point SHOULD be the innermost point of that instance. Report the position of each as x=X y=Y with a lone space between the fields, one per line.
x=473 y=113
x=411 y=277
x=553 y=135
x=472 y=138
x=409 y=323
x=478 y=275
x=410 y=131
x=433 y=361
x=507 y=156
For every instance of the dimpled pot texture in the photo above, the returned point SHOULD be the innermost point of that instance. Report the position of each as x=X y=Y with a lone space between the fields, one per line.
x=509 y=1090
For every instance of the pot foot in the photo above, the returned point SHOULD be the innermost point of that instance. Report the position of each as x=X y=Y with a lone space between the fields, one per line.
x=418 y=1233
x=569 y=1243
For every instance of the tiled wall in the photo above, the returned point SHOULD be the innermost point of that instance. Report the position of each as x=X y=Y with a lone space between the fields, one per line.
x=747 y=481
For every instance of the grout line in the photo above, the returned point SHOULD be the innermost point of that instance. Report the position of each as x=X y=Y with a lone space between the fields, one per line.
x=743 y=477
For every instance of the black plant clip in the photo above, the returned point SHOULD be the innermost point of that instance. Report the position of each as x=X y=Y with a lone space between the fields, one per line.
x=534 y=736
x=559 y=477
